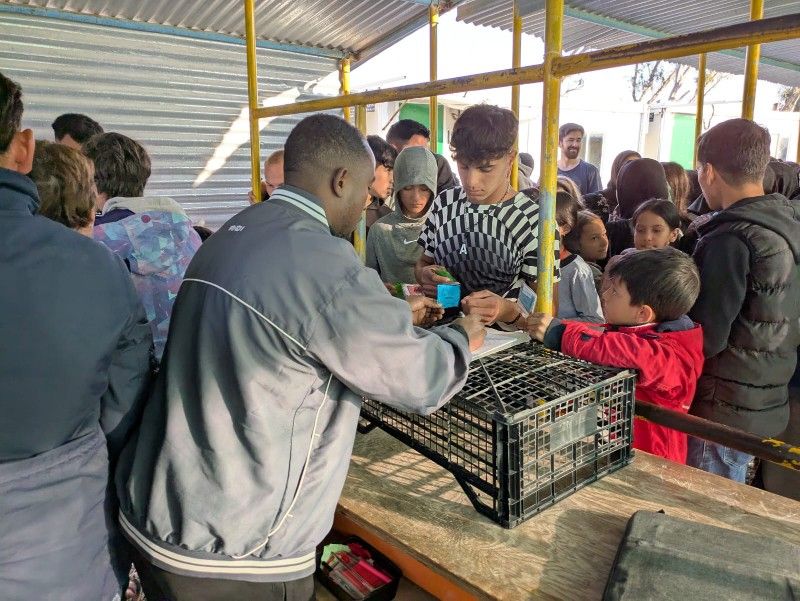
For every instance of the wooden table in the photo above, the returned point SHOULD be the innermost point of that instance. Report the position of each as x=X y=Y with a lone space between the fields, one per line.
x=416 y=513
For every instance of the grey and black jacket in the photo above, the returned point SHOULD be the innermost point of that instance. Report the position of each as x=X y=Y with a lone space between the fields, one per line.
x=749 y=307
x=277 y=333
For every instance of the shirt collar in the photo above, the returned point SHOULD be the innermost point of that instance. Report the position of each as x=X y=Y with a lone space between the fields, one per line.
x=303 y=200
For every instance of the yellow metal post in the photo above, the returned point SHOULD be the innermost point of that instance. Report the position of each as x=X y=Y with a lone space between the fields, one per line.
x=554 y=22
x=360 y=235
x=701 y=100
x=344 y=83
x=433 y=19
x=751 y=65
x=516 y=63
x=252 y=97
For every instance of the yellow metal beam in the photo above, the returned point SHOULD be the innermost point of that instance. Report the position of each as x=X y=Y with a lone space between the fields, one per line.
x=252 y=97
x=551 y=101
x=723 y=38
x=344 y=87
x=701 y=100
x=516 y=63
x=433 y=103
x=360 y=235
x=751 y=65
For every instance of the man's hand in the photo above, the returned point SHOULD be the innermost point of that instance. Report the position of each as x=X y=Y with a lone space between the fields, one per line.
x=475 y=329
x=424 y=311
x=429 y=279
x=536 y=325
x=490 y=307
x=253 y=200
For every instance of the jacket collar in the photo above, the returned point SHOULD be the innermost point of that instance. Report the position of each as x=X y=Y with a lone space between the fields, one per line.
x=681 y=324
x=303 y=200
x=18 y=193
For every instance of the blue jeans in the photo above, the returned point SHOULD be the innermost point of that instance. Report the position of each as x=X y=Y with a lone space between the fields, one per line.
x=716 y=459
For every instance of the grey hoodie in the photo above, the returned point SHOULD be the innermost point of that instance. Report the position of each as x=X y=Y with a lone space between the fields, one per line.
x=392 y=248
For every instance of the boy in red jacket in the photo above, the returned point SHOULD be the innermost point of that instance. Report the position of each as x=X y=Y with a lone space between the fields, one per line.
x=645 y=302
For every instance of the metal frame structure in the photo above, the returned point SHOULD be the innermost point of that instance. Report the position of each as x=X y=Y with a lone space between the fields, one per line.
x=555 y=66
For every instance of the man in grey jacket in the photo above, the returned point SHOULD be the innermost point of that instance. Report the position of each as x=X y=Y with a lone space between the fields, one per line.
x=277 y=333
x=74 y=363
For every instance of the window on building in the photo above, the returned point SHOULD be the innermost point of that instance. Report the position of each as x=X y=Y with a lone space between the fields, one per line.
x=592 y=149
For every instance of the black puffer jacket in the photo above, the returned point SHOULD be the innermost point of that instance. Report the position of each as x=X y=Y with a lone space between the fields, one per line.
x=749 y=307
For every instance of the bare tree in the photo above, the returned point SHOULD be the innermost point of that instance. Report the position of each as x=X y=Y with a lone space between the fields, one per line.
x=789 y=99
x=661 y=81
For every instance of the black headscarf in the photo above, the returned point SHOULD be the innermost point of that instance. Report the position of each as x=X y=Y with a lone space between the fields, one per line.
x=640 y=181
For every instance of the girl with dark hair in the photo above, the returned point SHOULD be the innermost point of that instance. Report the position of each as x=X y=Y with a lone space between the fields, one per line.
x=656 y=224
x=485 y=233
x=680 y=188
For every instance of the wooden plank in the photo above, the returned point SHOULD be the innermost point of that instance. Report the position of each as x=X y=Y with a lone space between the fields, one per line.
x=566 y=552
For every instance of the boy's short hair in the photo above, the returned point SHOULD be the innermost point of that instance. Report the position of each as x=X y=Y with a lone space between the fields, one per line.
x=567 y=128
x=275 y=158
x=738 y=149
x=79 y=127
x=384 y=153
x=567 y=208
x=572 y=241
x=665 y=279
x=483 y=133
x=405 y=129
x=65 y=181
x=10 y=111
x=121 y=165
x=323 y=141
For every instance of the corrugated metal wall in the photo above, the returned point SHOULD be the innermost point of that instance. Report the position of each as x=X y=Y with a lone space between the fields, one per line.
x=185 y=100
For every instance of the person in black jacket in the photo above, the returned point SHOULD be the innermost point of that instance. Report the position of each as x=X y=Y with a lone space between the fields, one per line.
x=74 y=364
x=749 y=305
x=408 y=132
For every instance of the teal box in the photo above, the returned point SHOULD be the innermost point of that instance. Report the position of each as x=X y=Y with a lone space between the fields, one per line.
x=448 y=295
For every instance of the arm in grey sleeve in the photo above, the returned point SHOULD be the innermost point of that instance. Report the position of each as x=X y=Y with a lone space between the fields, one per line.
x=724 y=266
x=585 y=297
x=128 y=374
x=365 y=337
x=596 y=184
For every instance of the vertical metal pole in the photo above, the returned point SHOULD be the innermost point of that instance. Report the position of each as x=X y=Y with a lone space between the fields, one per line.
x=360 y=235
x=344 y=83
x=701 y=99
x=516 y=62
x=433 y=20
x=751 y=65
x=798 y=141
x=252 y=97
x=554 y=22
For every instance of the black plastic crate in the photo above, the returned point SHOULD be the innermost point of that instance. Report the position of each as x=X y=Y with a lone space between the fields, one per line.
x=530 y=427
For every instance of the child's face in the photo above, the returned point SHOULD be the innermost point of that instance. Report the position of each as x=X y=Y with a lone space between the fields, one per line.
x=652 y=231
x=617 y=307
x=486 y=182
x=415 y=200
x=593 y=241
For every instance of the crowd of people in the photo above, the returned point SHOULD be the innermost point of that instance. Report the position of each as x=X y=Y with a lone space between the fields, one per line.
x=188 y=402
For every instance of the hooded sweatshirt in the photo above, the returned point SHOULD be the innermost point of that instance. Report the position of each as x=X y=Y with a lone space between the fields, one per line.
x=157 y=242
x=637 y=182
x=392 y=248
x=749 y=307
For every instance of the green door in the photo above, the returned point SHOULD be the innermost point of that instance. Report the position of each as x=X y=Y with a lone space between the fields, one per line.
x=682 y=148
x=420 y=113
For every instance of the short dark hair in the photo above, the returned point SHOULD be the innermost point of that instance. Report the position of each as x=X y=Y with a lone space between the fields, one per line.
x=738 y=149
x=64 y=178
x=665 y=209
x=10 y=111
x=405 y=129
x=202 y=231
x=483 y=133
x=665 y=279
x=572 y=241
x=567 y=209
x=121 y=165
x=384 y=153
x=79 y=127
x=323 y=141
x=565 y=130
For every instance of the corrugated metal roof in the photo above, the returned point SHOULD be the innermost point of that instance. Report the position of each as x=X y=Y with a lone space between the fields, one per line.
x=597 y=24
x=184 y=100
x=347 y=25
